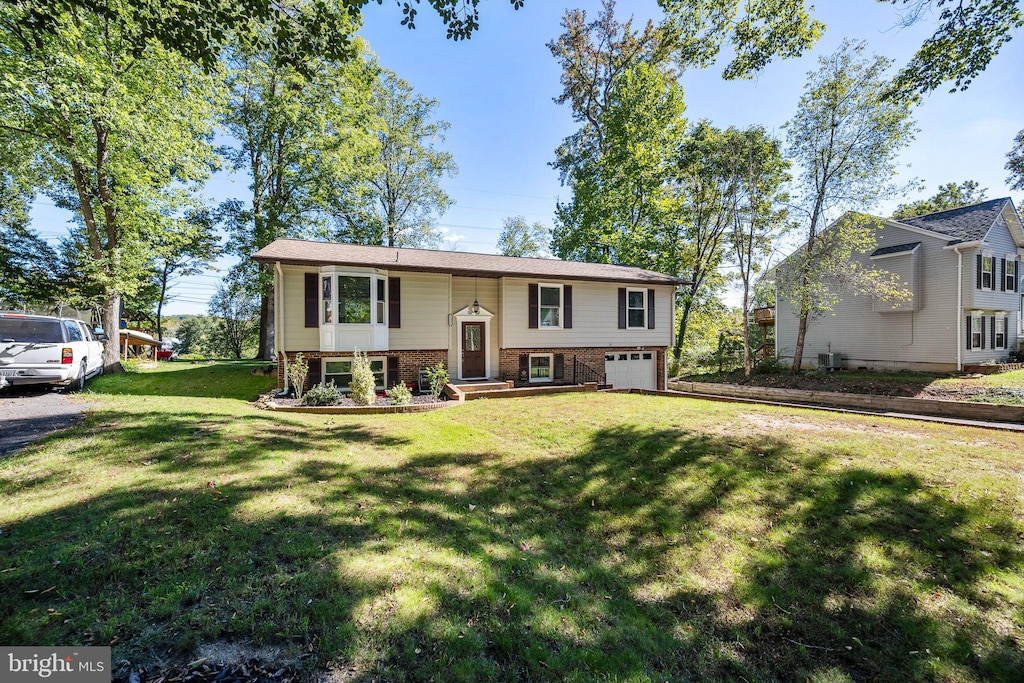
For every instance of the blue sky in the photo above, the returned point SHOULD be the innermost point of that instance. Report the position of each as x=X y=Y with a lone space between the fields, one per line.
x=497 y=92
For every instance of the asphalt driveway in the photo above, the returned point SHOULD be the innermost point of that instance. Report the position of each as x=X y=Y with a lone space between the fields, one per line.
x=27 y=415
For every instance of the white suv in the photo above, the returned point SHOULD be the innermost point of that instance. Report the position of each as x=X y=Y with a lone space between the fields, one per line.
x=40 y=349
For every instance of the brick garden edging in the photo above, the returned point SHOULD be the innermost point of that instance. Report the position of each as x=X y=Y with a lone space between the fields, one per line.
x=361 y=410
x=889 y=404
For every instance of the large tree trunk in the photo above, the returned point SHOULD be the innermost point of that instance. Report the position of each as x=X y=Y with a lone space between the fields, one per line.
x=111 y=319
x=683 y=321
x=747 y=365
x=266 y=345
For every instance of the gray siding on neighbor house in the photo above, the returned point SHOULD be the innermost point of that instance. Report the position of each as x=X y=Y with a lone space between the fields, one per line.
x=1000 y=243
x=923 y=337
x=595 y=318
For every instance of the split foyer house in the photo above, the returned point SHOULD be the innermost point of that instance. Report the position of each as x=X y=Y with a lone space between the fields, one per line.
x=531 y=321
x=962 y=268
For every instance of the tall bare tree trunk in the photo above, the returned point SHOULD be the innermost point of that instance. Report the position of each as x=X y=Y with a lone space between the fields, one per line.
x=266 y=346
x=801 y=333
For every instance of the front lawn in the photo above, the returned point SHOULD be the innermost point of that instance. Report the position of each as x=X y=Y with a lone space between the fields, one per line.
x=567 y=537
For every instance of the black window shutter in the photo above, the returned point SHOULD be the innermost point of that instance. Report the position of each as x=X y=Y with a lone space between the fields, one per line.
x=315 y=376
x=312 y=314
x=534 y=296
x=979 y=271
x=650 y=309
x=524 y=367
x=982 y=332
x=1002 y=275
x=393 y=371
x=622 y=308
x=394 y=302
x=968 y=333
x=993 y=342
x=559 y=366
x=567 y=307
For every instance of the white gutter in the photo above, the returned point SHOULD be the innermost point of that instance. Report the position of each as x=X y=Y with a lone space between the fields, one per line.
x=961 y=333
x=278 y=327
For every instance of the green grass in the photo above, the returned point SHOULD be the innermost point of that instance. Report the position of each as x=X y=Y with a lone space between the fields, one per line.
x=568 y=537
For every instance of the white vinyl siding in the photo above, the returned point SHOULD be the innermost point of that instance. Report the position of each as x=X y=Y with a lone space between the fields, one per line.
x=424 y=312
x=298 y=337
x=466 y=290
x=595 y=318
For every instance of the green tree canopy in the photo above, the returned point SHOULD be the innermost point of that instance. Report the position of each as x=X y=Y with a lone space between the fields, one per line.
x=949 y=196
x=1015 y=163
x=396 y=197
x=845 y=137
x=519 y=238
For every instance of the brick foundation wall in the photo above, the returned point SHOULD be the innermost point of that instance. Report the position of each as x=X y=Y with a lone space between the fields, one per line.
x=508 y=361
x=409 y=362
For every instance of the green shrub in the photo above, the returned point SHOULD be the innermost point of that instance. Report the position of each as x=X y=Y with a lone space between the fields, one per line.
x=131 y=366
x=438 y=377
x=322 y=395
x=363 y=388
x=298 y=370
x=399 y=395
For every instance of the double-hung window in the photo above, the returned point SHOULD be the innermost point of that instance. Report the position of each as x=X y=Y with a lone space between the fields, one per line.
x=339 y=371
x=381 y=302
x=977 y=339
x=1010 y=278
x=999 y=340
x=550 y=306
x=988 y=272
x=636 y=308
x=541 y=367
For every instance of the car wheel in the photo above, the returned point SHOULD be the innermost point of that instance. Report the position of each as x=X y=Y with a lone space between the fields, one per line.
x=79 y=382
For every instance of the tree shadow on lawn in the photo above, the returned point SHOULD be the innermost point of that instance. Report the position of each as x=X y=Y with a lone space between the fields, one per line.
x=226 y=380
x=649 y=555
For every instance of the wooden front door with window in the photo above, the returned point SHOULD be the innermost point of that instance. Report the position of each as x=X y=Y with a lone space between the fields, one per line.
x=474 y=359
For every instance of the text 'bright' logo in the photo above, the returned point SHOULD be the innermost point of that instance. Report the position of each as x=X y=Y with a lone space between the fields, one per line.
x=46 y=666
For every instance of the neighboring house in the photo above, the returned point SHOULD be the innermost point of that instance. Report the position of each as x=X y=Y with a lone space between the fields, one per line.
x=532 y=321
x=962 y=268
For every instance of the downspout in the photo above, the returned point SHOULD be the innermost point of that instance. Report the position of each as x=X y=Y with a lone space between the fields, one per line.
x=959 y=309
x=278 y=327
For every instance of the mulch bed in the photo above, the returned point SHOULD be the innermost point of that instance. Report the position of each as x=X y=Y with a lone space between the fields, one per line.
x=346 y=402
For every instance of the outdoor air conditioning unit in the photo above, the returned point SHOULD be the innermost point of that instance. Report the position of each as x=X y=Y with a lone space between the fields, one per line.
x=830 y=361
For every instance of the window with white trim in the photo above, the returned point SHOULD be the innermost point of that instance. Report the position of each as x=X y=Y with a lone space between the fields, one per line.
x=988 y=264
x=1000 y=334
x=353 y=299
x=636 y=309
x=328 y=307
x=550 y=306
x=381 y=301
x=976 y=334
x=339 y=371
x=1011 y=275
x=541 y=367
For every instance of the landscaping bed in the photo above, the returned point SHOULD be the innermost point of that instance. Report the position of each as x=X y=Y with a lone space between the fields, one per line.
x=1004 y=388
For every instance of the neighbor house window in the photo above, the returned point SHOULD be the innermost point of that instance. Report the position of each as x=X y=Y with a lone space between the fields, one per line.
x=339 y=371
x=976 y=333
x=636 y=308
x=353 y=299
x=540 y=367
x=550 y=306
x=999 y=339
x=987 y=268
x=1010 y=284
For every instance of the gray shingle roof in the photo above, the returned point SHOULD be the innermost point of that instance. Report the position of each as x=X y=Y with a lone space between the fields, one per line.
x=895 y=249
x=301 y=252
x=966 y=224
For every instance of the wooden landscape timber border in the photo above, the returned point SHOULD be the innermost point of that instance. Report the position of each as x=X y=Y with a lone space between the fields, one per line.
x=988 y=412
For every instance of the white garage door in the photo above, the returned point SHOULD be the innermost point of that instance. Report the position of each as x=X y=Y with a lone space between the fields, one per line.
x=631 y=370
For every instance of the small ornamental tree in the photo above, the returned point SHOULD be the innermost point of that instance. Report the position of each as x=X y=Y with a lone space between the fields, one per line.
x=363 y=385
x=298 y=370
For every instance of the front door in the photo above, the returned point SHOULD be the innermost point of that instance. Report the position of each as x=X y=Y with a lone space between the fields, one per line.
x=474 y=359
